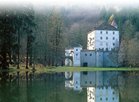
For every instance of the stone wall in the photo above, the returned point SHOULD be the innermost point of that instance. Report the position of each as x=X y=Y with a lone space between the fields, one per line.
x=98 y=58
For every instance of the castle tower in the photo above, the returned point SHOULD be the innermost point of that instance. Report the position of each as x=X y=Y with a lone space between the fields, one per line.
x=76 y=57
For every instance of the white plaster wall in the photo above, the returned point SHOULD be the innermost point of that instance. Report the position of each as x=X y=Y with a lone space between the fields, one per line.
x=91 y=41
x=76 y=81
x=91 y=94
x=103 y=43
x=76 y=58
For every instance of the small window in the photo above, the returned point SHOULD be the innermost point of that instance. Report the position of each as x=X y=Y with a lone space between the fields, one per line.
x=113 y=93
x=113 y=98
x=85 y=73
x=106 y=38
x=90 y=54
x=76 y=49
x=101 y=32
x=101 y=38
x=113 y=38
x=106 y=32
x=113 y=32
x=85 y=54
x=113 y=44
x=85 y=82
x=106 y=99
x=76 y=54
x=90 y=82
x=100 y=98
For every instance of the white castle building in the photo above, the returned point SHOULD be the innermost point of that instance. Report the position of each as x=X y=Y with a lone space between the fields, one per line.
x=105 y=37
x=103 y=94
x=100 y=44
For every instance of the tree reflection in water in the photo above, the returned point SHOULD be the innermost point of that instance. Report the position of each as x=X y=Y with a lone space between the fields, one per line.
x=50 y=87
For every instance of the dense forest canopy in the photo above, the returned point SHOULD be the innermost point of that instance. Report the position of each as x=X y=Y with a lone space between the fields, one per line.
x=29 y=36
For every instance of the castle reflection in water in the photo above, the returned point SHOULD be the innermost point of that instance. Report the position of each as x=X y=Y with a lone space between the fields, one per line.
x=101 y=86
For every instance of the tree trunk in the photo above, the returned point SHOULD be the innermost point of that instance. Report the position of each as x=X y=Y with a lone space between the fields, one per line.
x=27 y=52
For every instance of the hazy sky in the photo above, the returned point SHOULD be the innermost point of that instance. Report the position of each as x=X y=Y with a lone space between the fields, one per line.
x=67 y=3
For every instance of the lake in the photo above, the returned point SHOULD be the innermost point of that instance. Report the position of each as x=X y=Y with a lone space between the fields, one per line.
x=87 y=86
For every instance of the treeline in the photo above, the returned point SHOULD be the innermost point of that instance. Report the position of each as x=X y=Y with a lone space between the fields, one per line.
x=15 y=24
x=50 y=38
x=27 y=38
x=32 y=37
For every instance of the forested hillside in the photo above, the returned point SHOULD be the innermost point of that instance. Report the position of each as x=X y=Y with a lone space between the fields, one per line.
x=33 y=37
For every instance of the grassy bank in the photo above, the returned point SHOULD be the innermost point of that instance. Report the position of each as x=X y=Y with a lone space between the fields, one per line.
x=72 y=69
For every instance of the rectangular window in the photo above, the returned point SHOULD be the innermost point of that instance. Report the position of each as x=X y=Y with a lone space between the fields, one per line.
x=85 y=54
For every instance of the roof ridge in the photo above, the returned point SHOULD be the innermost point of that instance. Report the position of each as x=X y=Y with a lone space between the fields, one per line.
x=105 y=26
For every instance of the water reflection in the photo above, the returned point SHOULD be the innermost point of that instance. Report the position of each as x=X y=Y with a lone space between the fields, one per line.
x=69 y=87
x=101 y=86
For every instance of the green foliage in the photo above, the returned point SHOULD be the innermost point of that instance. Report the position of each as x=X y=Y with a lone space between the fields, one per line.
x=13 y=24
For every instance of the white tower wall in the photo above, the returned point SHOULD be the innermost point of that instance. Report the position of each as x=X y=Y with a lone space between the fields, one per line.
x=76 y=58
x=103 y=39
x=76 y=81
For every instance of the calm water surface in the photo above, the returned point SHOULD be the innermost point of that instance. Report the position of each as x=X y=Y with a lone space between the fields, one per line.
x=69 y=87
